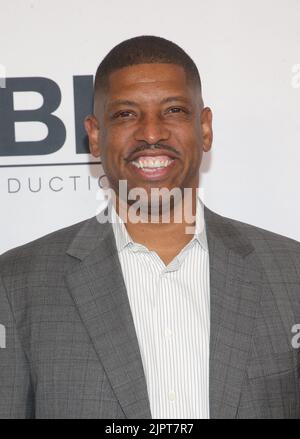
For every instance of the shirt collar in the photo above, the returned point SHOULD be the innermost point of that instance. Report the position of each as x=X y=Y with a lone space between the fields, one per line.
x=123 y=239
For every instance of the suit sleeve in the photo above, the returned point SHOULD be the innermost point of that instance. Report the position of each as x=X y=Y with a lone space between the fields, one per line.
x=16 y=395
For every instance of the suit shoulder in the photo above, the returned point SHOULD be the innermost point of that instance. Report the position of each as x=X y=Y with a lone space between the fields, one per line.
x=53 y=245
x=277 y=253
x=262 y=238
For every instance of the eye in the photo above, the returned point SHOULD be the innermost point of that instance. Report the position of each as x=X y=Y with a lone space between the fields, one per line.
x=174 y=110
x=122 y=114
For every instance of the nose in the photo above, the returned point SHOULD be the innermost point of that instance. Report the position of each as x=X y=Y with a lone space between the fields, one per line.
x=151 y=129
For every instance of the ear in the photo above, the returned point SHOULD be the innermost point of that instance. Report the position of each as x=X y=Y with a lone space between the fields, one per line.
x=207 y=132
x=92 y=128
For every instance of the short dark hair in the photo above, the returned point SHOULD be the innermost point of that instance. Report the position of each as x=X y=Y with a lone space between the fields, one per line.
x=144 y=49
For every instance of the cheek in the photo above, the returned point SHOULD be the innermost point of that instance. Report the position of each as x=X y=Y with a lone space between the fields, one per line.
x=190 y=135
x=110 y=148
x=193 y=146
x=113 y=163
x=116 y=142
x=198 y=135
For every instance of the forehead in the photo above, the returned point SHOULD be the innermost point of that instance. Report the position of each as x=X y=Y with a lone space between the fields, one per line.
x=143 y=78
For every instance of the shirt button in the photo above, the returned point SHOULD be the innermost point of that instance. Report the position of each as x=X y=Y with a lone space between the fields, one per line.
x=172 y=396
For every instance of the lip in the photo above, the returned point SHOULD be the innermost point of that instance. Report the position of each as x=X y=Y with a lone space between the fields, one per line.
x=155 y=174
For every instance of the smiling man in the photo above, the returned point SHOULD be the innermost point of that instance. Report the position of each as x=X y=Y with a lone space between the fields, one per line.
x=131 y=316
x=150 y=129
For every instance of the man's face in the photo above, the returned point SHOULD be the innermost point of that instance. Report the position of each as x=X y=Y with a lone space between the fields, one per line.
x=150 y=104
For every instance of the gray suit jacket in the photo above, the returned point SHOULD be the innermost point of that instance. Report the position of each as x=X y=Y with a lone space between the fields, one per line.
x=71 y=346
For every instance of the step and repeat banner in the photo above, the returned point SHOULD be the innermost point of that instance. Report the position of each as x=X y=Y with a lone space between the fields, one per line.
x=248 y=55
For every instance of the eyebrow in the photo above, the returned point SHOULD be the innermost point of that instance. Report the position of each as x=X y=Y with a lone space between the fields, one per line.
x=134 y=104
x=175 y=98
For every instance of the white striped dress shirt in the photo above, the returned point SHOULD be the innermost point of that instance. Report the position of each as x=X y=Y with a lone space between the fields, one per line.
x=171 y=312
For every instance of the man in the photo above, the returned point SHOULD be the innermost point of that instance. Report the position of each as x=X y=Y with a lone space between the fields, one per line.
x=140 y=319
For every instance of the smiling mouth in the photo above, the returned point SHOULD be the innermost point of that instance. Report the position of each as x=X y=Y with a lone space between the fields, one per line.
x=150 y=163
x=152 y=167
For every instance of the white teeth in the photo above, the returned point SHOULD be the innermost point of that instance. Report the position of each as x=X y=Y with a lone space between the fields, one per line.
x=150 y=163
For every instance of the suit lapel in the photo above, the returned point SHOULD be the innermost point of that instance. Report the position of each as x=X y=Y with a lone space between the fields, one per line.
x=235 y=293
x=98 y=289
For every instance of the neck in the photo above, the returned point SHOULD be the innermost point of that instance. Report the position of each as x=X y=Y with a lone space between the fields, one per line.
x=154 y=232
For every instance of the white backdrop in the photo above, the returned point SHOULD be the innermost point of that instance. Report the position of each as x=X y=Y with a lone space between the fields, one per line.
x=248 y=55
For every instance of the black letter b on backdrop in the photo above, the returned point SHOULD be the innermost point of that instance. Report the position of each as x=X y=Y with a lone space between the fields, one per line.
x=8 y=116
